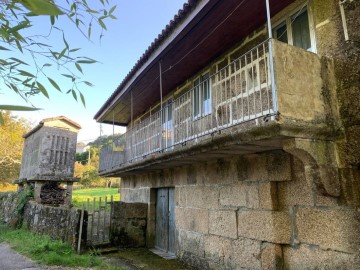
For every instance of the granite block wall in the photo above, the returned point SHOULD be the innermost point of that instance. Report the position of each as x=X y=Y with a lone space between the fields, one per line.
x=254 y=212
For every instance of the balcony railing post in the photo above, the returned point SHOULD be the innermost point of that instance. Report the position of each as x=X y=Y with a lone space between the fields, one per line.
x=271 y=61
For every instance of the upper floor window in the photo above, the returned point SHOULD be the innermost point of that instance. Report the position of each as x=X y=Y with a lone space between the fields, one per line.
x=202 y=96
x=296 y=30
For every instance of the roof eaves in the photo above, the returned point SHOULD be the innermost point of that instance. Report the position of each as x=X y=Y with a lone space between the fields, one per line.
x=169 y=28
x=40 y=125
x=64 y=118
x=42 y=122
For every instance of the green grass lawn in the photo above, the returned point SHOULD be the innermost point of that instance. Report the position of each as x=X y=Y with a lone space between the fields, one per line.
x=46 y=251
x=81 y=196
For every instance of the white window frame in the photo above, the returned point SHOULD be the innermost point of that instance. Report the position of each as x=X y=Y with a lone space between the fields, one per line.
x=288 y=19
x=201 y=101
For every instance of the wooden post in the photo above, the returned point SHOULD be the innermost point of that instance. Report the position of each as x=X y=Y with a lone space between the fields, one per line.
x=111 y=214
x=99 y=220
x=92 y=220
x=81 y=226
x=104 y=218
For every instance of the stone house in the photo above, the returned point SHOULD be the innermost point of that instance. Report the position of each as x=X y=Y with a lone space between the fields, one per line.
x=243 y=135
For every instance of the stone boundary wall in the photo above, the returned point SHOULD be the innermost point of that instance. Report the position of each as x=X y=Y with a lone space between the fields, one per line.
x=254 y=212
x=8 y=204
x=128 y=224
x=60 y=223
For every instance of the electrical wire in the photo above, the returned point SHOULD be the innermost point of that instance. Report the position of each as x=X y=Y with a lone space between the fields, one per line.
x=206 y=37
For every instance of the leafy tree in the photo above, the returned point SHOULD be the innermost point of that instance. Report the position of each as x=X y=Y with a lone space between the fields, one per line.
x=118 y=139
x=29 y=74
x=87 y=169
x=11 y=145
x=88 y=174
x=82 y=157
x=79 y=169
x=91 y=176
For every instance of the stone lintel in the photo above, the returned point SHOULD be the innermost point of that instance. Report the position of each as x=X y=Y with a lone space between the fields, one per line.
x=54 y=179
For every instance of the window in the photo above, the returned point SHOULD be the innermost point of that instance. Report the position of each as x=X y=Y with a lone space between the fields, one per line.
x=202 y=96
x=296 y=30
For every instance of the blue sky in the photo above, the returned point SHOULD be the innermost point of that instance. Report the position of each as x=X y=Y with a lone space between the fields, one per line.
x=138 y=23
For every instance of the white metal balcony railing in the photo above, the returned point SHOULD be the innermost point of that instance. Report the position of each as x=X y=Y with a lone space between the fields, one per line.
x=237 y=93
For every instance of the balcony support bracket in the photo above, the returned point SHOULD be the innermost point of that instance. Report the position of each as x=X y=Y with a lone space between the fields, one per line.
x=319 y=159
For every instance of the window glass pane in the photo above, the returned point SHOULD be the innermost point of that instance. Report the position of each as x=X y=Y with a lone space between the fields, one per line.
x=280 y=33
x=301 y=31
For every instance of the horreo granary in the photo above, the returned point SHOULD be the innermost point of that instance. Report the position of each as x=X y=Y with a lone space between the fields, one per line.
x=243 y=135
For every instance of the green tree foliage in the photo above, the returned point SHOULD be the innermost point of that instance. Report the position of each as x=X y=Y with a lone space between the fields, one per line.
x=28 y=78
x=11 y=145
x=82 y=157
x=117 y=139
x=92 y=153
x=86 y=167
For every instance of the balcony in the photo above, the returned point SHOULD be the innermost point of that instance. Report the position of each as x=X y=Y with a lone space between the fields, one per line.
x=251 y=92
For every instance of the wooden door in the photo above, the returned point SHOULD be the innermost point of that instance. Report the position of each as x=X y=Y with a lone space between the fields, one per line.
x=165 y=220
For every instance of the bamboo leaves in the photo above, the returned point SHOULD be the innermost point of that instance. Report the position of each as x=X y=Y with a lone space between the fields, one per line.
x=34 y=64
x=17 y=108
x=53 y=83
x=42 y=7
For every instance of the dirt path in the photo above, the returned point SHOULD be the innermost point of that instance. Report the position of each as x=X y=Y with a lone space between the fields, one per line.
x=11 y=260
x=129 y=259
x=143 y=259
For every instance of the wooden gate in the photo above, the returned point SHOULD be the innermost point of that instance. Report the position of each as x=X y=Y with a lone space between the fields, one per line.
x=165 y=220
x=99 y=221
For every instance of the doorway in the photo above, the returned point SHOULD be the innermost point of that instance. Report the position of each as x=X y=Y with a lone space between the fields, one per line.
x=165 y=220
